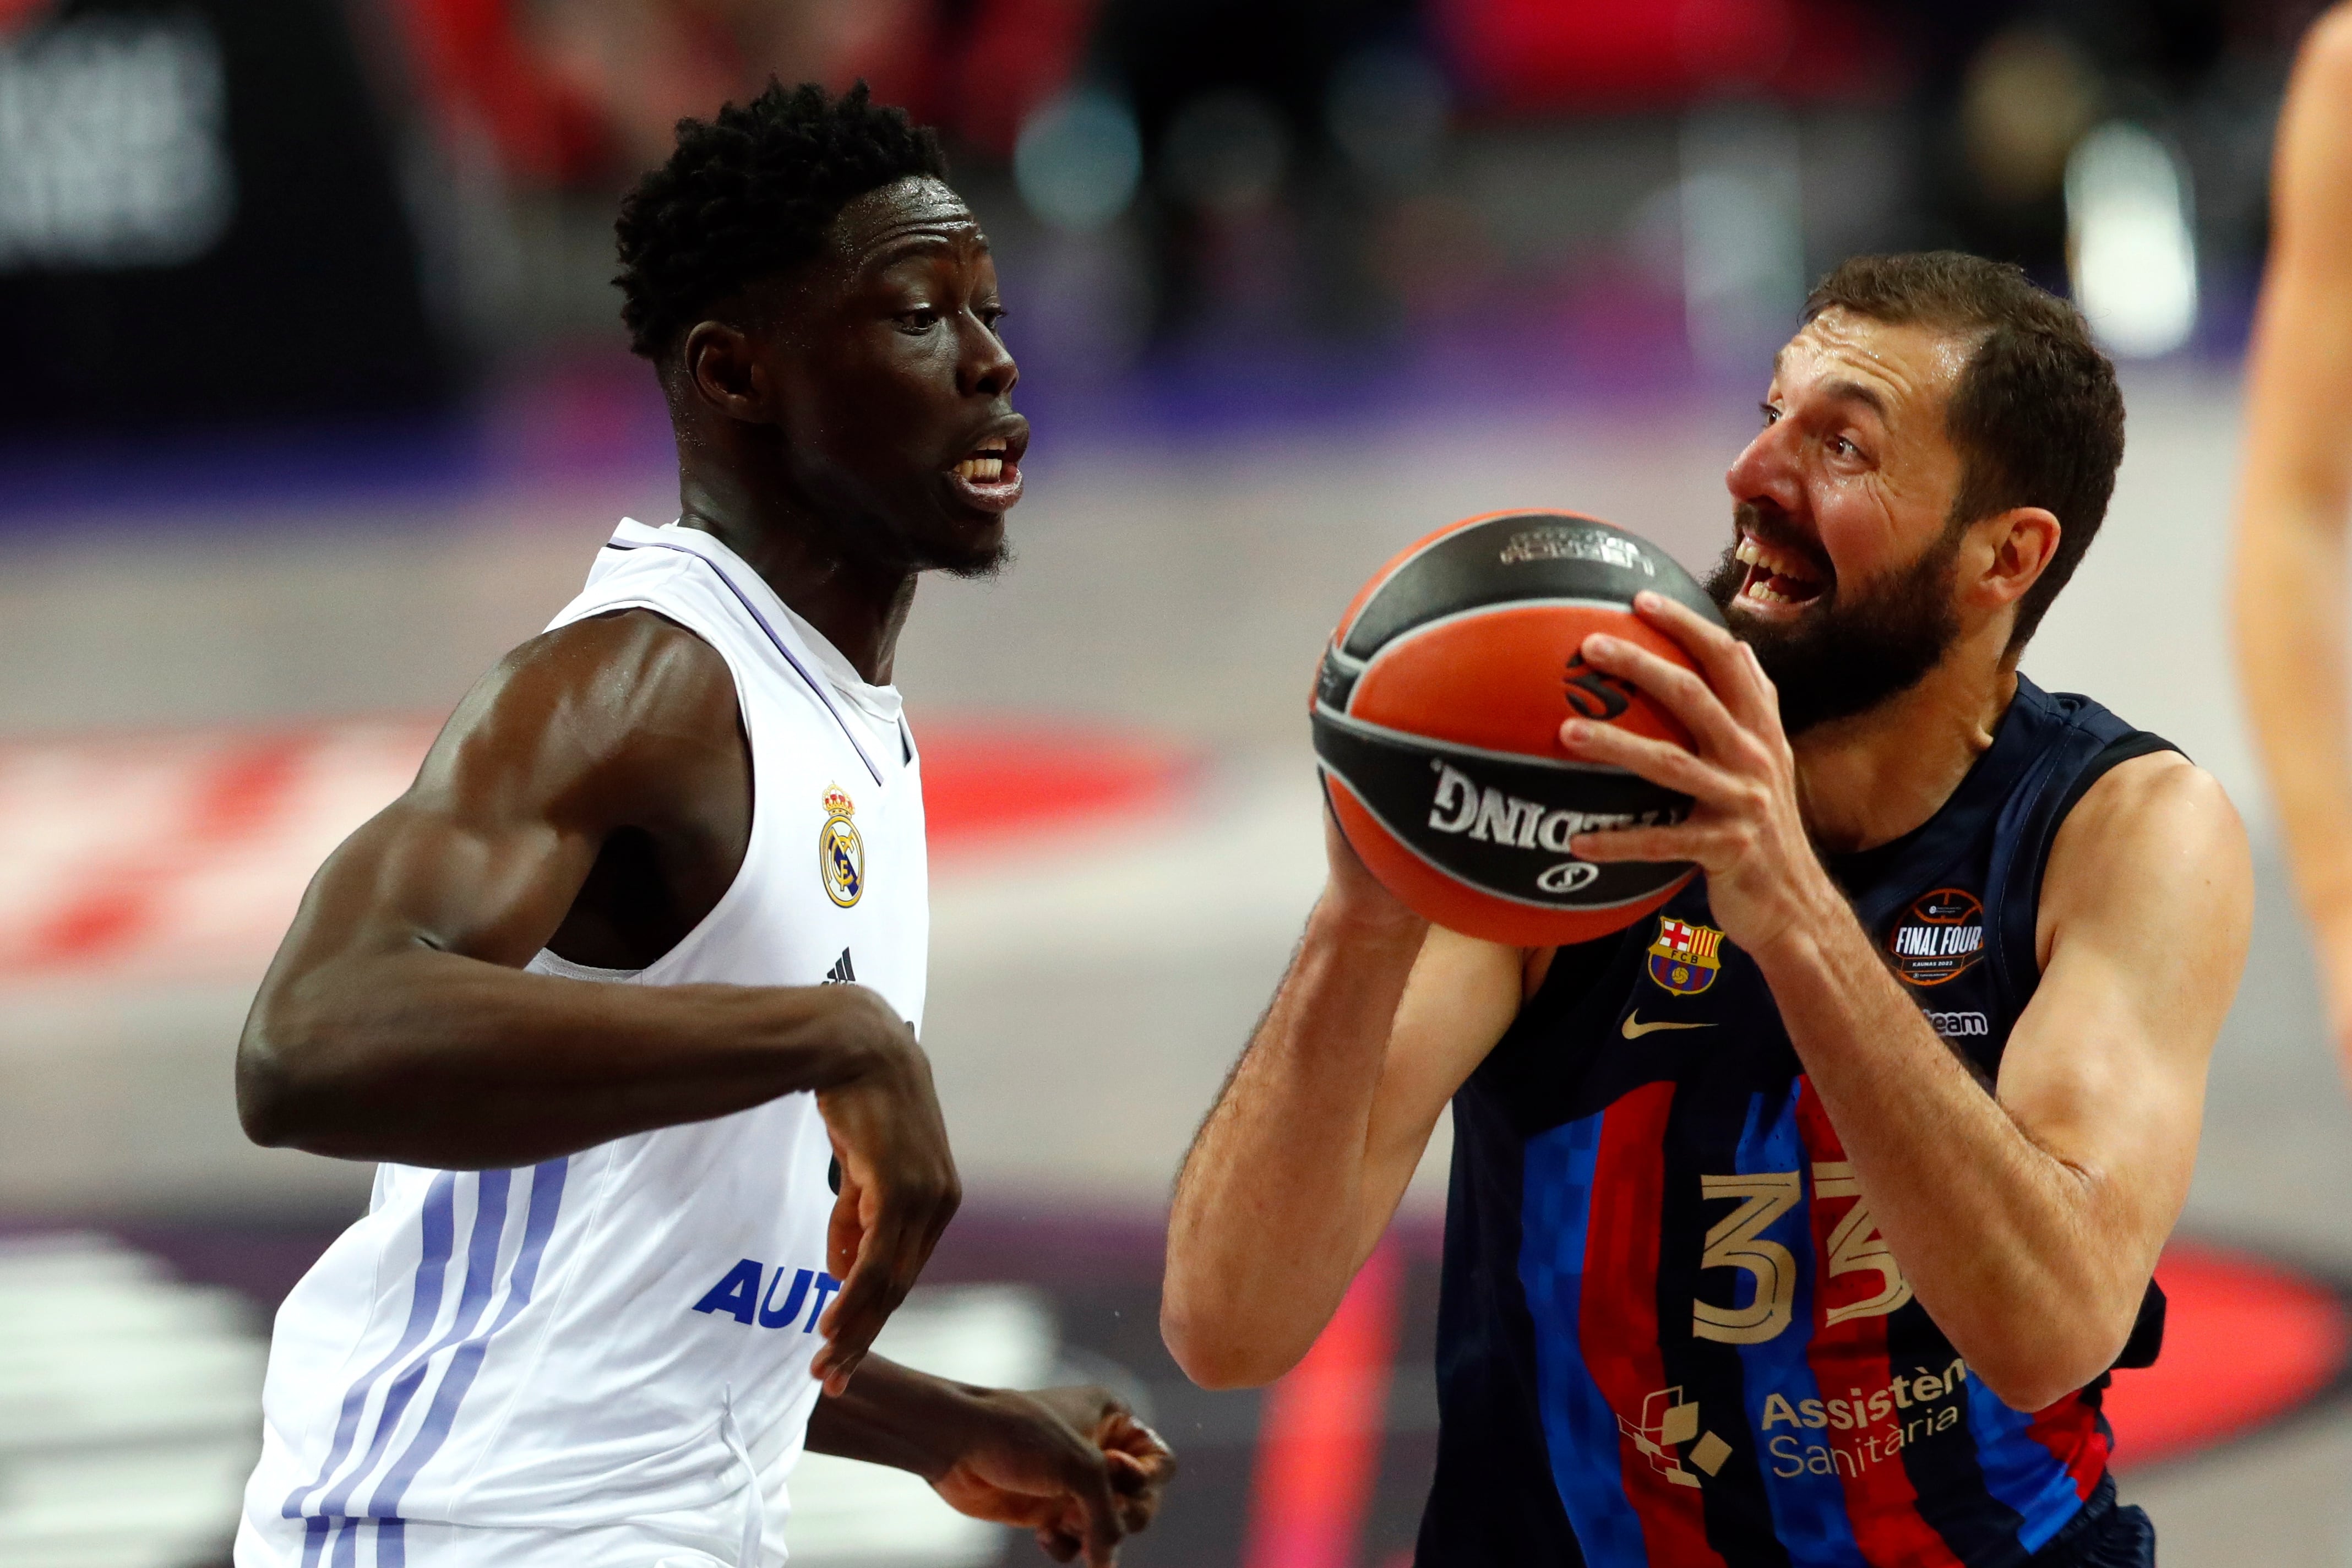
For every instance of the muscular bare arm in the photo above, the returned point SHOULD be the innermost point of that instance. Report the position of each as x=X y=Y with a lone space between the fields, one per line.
x=1301 y=1163
x=396 y=1022
x=2027 y=1222
x=2293 y=494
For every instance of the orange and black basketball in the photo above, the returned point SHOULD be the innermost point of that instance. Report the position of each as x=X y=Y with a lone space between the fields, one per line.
x=1437 y=716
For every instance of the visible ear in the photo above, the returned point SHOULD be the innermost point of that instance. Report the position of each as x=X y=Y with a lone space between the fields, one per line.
x=2014 y=549
x=723 y=371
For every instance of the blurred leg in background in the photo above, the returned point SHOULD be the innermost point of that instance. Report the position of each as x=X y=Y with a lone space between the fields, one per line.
x=2293 y=500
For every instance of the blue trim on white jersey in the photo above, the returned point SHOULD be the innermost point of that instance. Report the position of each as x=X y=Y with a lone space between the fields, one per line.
x=546 y=1198
x=437 y=1223
x=334 y=1524
x=481 y=1278
x=754 y=610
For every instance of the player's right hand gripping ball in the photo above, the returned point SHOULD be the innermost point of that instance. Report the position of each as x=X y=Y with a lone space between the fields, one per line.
x=1437 y=716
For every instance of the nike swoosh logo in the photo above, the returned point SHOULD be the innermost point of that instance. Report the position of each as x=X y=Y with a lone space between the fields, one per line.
x=1634 y=1028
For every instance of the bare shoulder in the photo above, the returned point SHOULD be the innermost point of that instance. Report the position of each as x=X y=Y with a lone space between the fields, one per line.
x=2315 y=164
x=623 y=700
x=2326 y=57
x=626 y=658
x=2155 y=840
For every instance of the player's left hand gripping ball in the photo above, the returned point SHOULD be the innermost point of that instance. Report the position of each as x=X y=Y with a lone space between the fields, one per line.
x=1072 y=1464
x=1745 y=829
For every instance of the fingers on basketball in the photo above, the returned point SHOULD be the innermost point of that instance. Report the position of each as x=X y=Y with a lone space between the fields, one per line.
x=1438 y=715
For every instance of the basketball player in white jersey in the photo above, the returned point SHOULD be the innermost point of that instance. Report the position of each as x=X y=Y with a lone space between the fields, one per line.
x=629 y=981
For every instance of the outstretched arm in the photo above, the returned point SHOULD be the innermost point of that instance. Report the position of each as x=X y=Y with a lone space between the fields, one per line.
x=2293 y=493
x=1301 y=1163
x=2027 y=1221
x=1073 y=1465
x=397 y=1023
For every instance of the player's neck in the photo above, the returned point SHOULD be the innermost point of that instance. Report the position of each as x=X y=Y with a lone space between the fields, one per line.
x=1870 y=779
x=859 y=608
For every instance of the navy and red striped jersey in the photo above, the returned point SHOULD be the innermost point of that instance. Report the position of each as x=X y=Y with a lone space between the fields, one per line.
x=1670 y=1333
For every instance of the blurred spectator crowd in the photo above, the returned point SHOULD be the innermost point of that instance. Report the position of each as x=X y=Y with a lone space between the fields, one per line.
x=298 y=206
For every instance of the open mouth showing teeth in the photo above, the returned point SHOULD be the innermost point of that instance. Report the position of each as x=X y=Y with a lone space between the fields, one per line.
x=1774 y=576
x=988 y=464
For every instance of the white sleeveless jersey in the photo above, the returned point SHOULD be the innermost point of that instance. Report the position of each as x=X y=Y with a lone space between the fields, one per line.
x=623 y=1335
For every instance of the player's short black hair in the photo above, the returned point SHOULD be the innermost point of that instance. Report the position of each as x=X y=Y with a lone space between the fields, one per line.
x=748 y=193
x=2036 y=413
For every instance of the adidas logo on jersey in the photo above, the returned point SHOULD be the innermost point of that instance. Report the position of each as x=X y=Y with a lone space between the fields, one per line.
x=843 y=971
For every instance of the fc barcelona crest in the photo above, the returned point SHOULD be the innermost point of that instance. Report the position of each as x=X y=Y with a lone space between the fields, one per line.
x=840 y=853
x=1686 y=958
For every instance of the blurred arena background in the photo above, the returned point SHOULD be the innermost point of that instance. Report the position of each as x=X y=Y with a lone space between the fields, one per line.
x=316 y=401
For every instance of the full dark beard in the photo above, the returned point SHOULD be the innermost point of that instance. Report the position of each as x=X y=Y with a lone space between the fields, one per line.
x=1851 y=652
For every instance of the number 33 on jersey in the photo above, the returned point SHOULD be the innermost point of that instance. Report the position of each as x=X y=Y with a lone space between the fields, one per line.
x=1737 y=1241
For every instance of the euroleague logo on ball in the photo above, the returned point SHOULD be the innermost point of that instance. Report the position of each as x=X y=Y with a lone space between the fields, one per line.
x=840 y=852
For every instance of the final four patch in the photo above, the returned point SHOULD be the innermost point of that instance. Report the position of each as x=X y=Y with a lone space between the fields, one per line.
x=1686 y=958
x=840 y=853
x=1940 y=937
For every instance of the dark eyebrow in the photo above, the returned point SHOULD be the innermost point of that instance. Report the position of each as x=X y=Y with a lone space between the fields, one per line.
x=1855 y=391
x=898 y=247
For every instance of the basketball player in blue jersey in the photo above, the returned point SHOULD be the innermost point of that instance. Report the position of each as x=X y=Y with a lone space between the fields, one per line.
x=625 y=989
x=1802 y=1222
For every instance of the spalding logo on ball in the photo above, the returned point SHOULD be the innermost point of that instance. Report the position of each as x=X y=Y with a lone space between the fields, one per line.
x=1437 y=716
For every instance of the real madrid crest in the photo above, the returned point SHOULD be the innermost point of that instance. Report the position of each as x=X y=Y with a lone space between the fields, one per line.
x=840 y=853
x=1686 y=958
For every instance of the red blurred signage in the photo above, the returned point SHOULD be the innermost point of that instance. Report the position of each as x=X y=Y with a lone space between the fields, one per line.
x=1552 y=55
x=547 y=90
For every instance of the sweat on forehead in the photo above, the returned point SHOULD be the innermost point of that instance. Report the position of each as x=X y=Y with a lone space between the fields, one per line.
x=1907 y=352
x=910 y=208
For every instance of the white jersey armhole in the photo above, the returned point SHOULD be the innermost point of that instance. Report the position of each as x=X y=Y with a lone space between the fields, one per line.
x=738 y=886
x=547 y=961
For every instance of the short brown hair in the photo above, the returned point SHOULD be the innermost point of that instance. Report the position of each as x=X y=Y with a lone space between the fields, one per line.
x=2036 y=414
